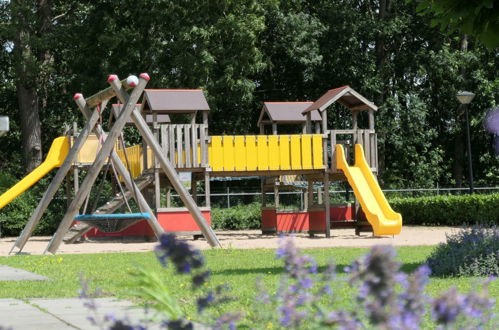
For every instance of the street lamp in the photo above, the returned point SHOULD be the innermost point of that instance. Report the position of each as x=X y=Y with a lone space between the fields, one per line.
x=4 y=125
x=465 y=98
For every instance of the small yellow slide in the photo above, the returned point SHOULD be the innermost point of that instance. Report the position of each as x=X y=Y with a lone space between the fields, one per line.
x=380 y=215
x=55 y=157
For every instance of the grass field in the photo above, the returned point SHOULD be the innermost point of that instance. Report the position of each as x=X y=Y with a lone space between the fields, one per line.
x=238 y=268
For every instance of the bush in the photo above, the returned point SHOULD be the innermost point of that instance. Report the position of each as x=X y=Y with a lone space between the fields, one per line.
x=13 y=217
x=471 y=252
x=237 y=217
x=448 y=210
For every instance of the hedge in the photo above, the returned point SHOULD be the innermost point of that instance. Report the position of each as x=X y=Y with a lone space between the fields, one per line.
x=237 y=217
x=448 y=210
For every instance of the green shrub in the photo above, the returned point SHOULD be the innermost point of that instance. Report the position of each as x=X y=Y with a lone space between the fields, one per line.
x=237 y=217
x=470 y=252
x=448 y=210
x=13 y=216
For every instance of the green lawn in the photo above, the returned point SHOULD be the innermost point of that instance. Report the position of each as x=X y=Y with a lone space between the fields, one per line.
x=238 y=268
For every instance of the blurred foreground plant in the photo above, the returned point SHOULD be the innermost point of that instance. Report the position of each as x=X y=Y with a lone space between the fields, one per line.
x=305 y=296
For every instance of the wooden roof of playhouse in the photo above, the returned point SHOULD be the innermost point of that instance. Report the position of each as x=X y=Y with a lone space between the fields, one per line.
x=149 y=117
x=286 y=113
x=346 y=96
x=169 y=101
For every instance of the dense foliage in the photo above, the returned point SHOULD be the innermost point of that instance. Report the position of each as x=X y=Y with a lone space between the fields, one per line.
x=237 y=217
x=448 y=210
x=246 y=52
x=470 y=252
x=306 y=296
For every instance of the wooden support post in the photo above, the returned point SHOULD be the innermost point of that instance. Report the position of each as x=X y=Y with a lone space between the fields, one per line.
x=317 y=127
x=309 y=123
x=207 y=189
x=168 y=168
x=99 y=162
x=262 y=129
x=310 y=193
x=276 y=194
x=304 y=128
x=56 y=182
x=355 y=114
x=264 y=197
x=169 y=197
x=326 y=205
x=325 y=136
x=194 y=189
x=157 y=183
x=274 y=128
x=371 y=119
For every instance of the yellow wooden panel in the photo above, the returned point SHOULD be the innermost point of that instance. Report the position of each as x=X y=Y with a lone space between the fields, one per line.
x=240 y=153
x=317 y=151
x=263 y=153
x=251 y=153
x=284 y=158
x=273 y=152
x=216 y=154
x=295 y=152
x=228 y=150
x=306 y=152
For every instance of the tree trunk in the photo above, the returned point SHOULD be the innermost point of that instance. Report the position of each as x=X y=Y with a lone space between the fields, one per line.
x=28 y=69
x=30 y=125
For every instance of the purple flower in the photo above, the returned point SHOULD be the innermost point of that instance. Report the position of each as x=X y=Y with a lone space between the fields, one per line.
x=200 y=279
x=203 y=302
x=181 y=254
x=447 y=307
x=179 y=325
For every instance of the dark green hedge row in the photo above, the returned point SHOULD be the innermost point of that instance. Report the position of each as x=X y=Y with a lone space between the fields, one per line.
x=237 y=217
x=448 y=210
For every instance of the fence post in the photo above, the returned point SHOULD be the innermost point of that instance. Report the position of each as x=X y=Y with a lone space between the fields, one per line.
x=228 y=198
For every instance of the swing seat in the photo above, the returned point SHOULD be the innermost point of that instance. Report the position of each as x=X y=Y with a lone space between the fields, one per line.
x=112 y=223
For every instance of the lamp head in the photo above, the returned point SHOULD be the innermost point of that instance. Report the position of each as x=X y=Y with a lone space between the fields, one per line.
x=465 y=97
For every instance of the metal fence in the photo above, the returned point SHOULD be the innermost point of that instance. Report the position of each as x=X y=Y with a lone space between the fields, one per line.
x=294 y=199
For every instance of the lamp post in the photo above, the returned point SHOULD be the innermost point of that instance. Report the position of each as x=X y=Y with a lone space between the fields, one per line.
x=4 y=125
x=465 y=98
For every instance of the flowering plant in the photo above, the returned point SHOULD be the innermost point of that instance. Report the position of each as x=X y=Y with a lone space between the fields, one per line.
x=385 y=297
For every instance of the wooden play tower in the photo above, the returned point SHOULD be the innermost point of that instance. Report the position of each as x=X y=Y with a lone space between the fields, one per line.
x=295 y=145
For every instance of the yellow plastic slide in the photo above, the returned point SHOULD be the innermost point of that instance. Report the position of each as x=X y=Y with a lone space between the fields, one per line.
x=380 y=215
x=55 y=157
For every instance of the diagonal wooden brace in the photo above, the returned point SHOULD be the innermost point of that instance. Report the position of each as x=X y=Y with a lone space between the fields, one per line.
x=123 y=172
x=56 y=181
x=96 y=167
x=168 y=168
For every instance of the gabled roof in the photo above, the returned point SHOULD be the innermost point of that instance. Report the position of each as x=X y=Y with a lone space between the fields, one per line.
x=174 y=101
x=346 y=96
x=286 y=112
x=161 y=118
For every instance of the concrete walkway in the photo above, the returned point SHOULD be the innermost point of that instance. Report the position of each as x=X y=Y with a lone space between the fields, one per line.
x=62 y=313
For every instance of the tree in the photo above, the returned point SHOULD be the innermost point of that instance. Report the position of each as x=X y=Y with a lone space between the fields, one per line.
x=479 y=18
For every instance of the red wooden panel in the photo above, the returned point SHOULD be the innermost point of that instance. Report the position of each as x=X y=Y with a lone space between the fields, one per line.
x=293 y=222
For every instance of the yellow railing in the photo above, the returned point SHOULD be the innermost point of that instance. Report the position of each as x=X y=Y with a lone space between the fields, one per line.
x=265 y=152
x=241 y=153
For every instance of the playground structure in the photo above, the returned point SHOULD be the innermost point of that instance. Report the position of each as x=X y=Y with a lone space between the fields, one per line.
x=174 y=128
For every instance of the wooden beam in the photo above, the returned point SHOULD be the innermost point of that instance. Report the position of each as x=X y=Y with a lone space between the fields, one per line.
x=57 y=180
x=100 y=160
x=105 y=94
x=169 y=170
x=327 y=205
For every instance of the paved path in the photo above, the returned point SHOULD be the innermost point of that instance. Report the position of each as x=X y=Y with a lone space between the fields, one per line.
x=14 y=274
x=61 y=313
